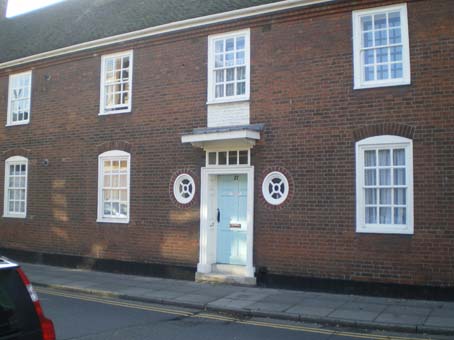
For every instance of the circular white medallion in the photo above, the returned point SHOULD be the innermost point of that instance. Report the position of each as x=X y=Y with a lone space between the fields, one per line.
x=184 y=188
x=275 y=188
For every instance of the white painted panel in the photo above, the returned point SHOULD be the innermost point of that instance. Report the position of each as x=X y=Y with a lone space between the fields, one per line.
x=228 y=114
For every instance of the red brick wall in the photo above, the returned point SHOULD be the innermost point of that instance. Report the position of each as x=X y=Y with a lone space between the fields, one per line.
x=302 y=89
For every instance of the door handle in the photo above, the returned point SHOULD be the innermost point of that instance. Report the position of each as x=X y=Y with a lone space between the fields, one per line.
x=219 y=216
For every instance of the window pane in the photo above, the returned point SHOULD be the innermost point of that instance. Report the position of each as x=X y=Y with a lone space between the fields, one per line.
x=229 y=59
x=371 y=215
x=385 y=196
x=396 y=71
x=380 y=38
x=241 y=73
x=212 y=158
x=240 y=58
x=400 y=215
x=123 y=166
x=123 y=210
x=385 y=216
x=230 y=74
x=115 y=208
x=115 y=195
x=123 y=195
x=368 y=57
x=233 y=157
x=240 y=43
x=394 y=19
x=230 y=90
x=107 y=208
x=366 y=23
x=370 y=177
x=396 y=53
x=106 y=180
x=229 y=44
x=380 y=21
x=369 y=73
x=241 y=88
x=222 y=158
x=219 y=60
x=400 y=196
x=382 y=72
x=385 y=177
x=382 y=55
x=219 y=91
x=219 y=46
x=219 y=76
x=384 y=157
x=395 y=36
x=369 y=158
x=244 y=157
x=399 y=157
x=371 y=196
x=368 y=40
x=399 y=177
x=123 y=180
x=115 y=181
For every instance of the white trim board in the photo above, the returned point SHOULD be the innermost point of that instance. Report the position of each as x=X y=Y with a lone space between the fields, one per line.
x=166 y=28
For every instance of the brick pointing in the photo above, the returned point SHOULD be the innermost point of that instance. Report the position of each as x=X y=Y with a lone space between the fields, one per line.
x=302 y=89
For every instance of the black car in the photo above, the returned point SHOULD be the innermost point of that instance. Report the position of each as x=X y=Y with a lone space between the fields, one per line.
x=21 y=315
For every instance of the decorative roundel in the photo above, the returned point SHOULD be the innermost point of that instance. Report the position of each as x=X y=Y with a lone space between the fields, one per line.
x=184 y=188
x=275 y=188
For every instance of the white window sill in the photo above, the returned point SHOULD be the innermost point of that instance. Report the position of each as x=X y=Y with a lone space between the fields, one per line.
x=18 y=123
x=227 y=100
x=14 y=216
x=114 y=112
x=113 y=220
x=371 y=85
x=385 y=229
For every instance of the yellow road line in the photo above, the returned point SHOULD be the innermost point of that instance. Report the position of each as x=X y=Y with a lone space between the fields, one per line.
x=220 y=317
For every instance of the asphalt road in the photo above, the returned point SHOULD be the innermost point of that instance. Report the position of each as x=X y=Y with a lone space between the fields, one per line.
x=78 y=316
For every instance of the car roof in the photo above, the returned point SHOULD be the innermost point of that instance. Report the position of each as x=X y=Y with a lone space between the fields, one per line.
x=6 y=263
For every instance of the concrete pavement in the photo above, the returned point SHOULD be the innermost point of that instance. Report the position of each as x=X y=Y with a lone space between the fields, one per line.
x=418 y=316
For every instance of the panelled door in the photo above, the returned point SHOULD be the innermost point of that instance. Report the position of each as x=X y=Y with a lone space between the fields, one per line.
x=232 y=222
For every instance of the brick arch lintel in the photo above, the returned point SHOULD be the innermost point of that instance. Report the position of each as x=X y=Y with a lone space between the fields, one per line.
x=394 y=129
x=114 y=145
x=16 y=152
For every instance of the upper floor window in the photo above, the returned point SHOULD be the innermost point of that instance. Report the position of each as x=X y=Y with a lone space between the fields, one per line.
x=113 y=186
x=384 y=185
x=228 y=67
x=116 y=83
x=15 y=198
x=19 y=98
x=381 y=48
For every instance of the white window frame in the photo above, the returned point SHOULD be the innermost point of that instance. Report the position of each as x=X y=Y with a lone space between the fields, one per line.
x=9 y=119
x=359 y=82
x=211 y=59
x=113 y=155
x=265 y=188
x=375 y=143
x=13 y=161
x=102 y=105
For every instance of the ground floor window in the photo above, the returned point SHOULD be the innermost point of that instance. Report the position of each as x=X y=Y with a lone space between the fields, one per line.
x=384 y=171
x=15 y=200
x=113 y=187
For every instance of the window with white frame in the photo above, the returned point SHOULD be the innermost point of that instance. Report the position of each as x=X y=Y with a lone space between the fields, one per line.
x=15 y=198
x=116 y=83
x=384 y=185
x=228 y=67
x=228 y=158
x=19 y=98
x=113 y=186
x=381 y=47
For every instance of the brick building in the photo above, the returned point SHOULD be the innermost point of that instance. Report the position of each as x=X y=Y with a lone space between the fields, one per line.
x=304 y=141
